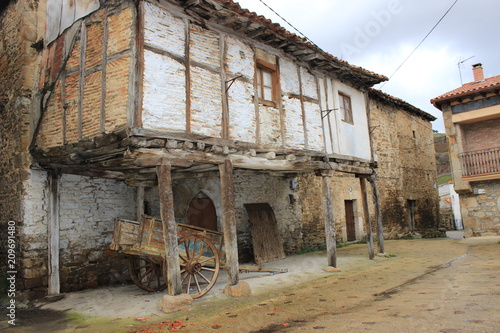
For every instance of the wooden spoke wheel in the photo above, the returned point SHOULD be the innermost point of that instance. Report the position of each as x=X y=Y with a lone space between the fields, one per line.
x=200 y=264
x=146 y=273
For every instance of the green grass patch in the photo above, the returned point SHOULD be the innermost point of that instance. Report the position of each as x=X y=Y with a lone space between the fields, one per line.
x=443 y=179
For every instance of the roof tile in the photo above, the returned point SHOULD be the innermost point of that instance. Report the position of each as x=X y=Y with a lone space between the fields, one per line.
x=468 y=88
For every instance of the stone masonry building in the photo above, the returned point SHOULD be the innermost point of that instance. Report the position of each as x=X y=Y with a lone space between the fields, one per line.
x=196 y=112
x=472 y=120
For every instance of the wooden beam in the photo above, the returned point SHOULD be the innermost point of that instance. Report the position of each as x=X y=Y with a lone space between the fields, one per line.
x=331 y=238
x=172 y=268
x=368 y=225
x=53 y=235
x=229 y=221
x=378 y=214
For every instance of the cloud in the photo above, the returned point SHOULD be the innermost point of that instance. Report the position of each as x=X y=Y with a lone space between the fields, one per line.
x=470 y=29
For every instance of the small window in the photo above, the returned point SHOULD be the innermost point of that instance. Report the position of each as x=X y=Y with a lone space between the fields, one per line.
x=266 y=82
x=346 y=108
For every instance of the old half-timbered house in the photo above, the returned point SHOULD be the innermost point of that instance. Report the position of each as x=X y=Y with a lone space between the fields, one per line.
x=198 y=112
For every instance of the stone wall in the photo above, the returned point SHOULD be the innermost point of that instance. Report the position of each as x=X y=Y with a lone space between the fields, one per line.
x=296 y=202
x=19 y=27
x=296 y=199
x=88 y=207
x=480 y=209
x=403 y=144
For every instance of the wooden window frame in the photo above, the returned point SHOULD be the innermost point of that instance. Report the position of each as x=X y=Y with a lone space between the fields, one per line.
x=262 y=66
x=350 y=118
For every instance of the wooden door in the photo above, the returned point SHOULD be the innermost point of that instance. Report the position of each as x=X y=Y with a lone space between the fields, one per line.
x=349 y=220
x=201 y=213
x=266 y=240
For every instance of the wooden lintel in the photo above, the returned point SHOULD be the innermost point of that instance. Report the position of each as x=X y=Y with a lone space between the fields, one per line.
x=231 y=144
x=359 y=171
x=178 y=157
x=156 y=160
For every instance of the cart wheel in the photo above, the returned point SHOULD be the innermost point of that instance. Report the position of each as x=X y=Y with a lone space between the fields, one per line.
x=146 y=274
x=200 y=264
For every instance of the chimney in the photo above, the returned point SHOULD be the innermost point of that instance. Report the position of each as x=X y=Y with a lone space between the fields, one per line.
x=477 y=70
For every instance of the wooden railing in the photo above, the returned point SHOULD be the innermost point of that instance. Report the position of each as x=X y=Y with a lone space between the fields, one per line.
x=480 y=162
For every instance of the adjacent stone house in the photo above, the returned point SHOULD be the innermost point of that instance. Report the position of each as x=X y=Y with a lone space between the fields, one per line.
x=120 y=108
x=403 y=144
x=472 y=120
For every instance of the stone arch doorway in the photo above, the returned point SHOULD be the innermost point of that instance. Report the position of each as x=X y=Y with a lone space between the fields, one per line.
x=201 y=212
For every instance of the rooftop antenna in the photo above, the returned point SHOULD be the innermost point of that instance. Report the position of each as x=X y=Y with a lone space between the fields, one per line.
x=460 y=62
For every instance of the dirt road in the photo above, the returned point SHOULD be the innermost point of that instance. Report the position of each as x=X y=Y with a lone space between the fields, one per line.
x=439 y=285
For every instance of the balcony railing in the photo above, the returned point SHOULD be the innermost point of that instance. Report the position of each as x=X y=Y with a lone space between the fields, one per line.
x=480 y=162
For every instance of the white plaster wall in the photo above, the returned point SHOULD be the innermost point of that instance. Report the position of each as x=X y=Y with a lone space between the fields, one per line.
x=242 y=118
x=35 y=205
x=309 y=87
x=314 y=126
x=294 y=127
x=270 y=125
x=354 y=138
x=289 y=78
x=88 y=207
x=325 y=120
x=239 y=58
x=204 y=46
x=164 y=99
x=162 y=30
x=206 y=102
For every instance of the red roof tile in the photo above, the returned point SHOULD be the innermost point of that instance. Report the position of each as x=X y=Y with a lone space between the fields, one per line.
x=468 y=88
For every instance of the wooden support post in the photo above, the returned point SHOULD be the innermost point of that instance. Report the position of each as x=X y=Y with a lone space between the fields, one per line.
x=378 y=214
x=368 y=224
x=53 y=234
x=331 y=240
x=229 y=221
x=139 y=202
x=172 y=268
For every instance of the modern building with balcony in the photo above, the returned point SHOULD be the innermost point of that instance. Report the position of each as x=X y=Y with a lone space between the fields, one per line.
x=472 y=121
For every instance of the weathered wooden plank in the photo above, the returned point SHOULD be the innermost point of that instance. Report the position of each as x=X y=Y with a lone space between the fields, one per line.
x=378 y=214
x=166 y=196
x=329 y=218
x=53 y=235
x=229 y=221
x=266 y=239
x=368 y=225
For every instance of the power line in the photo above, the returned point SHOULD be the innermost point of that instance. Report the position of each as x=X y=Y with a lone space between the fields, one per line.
x=291 y=25
x=442 y=17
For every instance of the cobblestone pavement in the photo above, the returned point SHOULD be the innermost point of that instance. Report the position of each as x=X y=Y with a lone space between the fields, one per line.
x=439 y=285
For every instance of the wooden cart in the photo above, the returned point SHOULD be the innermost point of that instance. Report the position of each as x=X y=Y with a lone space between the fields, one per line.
x=200 y=252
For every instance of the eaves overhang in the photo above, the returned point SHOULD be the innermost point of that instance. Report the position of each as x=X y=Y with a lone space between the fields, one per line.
x=230 y=14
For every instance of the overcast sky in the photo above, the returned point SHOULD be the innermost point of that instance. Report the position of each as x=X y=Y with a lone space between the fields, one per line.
x=379 y=34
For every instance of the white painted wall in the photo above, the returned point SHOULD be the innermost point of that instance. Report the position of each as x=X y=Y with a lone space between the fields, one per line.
x=88 y=207
x=447 y=191
x=346 y=139
x=164 y=99
x=35 y=205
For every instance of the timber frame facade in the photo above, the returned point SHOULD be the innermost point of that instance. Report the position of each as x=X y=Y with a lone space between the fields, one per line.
x=147 y=106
